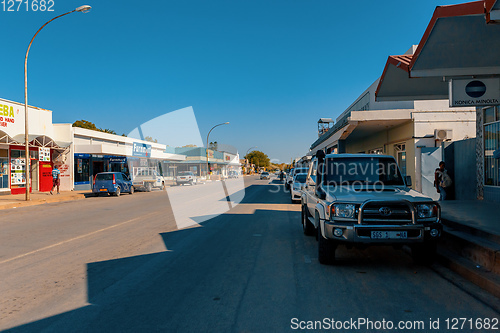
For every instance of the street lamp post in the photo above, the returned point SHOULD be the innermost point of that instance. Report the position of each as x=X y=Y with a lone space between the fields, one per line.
x=206 y=150
x=82 y=9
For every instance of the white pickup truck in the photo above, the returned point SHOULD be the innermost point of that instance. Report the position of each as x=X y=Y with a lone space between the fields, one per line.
x=146 y=178
x=359 y=200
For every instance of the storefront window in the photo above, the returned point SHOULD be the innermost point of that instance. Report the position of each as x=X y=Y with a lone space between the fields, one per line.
x=492 y=146
x=82 y=171
x=4 y=168
x=400 y=149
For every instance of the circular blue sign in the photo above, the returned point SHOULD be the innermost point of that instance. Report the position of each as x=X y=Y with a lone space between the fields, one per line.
x=475 y=89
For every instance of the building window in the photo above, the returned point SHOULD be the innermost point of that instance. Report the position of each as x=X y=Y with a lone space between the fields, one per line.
x=4 y=168
x=492 y=146
x=400 y=149
x=377 y=151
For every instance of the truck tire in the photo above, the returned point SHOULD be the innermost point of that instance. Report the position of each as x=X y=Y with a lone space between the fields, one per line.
x=118 y=192
x=424 y=254
x=326 y=249
x=307 y=226
x=131 y=190
x=148 y=187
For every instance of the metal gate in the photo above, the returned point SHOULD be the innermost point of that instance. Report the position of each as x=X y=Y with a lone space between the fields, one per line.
x=431 y=156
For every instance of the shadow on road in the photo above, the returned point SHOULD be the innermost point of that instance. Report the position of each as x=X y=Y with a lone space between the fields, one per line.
x=211 y=277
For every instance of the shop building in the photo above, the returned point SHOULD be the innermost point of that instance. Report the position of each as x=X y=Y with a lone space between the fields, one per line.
x=458 y=57
x=94 y=152
x=405 y=129
x=219 y=162
x=46 y=147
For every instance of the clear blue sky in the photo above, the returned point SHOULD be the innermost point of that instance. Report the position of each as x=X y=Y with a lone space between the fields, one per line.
x=272 y=68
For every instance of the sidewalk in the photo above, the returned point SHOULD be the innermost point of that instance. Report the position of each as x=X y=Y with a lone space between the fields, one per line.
x=38 y=198
x=477 y=214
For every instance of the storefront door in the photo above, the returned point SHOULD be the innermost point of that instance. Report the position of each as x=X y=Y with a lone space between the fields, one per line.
x=45 y=176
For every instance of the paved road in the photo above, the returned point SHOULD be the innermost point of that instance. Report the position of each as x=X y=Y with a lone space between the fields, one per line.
x=121 y=265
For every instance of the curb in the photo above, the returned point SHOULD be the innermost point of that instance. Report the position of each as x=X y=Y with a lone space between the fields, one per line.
x=20 y=204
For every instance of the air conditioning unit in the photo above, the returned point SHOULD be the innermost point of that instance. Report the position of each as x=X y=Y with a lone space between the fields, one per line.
x=443 y=134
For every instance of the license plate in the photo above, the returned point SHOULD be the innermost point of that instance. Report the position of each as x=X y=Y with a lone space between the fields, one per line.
x=103 y=190
x=389 y=235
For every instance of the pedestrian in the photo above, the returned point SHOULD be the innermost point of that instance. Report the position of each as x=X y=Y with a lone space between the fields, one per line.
x=56 y=180
x=441 y=181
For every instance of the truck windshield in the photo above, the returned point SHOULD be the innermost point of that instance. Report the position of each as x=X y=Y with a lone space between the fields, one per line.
x=362 y=170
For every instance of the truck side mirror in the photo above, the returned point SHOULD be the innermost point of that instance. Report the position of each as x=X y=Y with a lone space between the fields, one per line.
x=408 y=181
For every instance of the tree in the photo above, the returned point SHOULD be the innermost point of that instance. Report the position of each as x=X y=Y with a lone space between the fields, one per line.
x=91 y=126
x=150 y=139
x=85 y=124
x=258 y=158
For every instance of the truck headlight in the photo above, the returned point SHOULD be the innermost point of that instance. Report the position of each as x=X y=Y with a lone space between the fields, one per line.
x=425 y=211
x=343 y=210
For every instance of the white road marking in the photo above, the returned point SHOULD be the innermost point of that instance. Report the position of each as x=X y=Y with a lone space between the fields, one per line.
x=75 y=238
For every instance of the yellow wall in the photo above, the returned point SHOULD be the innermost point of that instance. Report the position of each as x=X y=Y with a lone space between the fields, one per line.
x=386 y=140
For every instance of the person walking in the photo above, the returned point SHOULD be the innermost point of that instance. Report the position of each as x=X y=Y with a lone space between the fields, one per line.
x=441 y=181
x=56 y=180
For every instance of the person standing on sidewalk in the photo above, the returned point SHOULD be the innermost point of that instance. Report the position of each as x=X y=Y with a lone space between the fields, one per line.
x=56 y=180
x=441 y=181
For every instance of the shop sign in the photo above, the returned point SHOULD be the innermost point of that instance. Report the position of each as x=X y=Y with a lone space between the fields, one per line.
x=6 y=115
x=44 y=154
x=141 y=150
x=474 y=92
x=17 y=176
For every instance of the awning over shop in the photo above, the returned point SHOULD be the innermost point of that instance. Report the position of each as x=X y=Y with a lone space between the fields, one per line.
x=6 y=139
x=458 y=42
x=37 y=140
x=396 y=84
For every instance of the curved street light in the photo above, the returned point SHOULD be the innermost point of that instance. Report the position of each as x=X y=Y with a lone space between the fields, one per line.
x=81 y=9
x=206 y=149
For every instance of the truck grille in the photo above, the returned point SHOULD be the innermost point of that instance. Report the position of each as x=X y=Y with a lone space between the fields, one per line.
x=386 y=213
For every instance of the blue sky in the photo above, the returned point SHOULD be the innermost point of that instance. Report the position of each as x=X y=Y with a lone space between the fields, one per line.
x=271 y=68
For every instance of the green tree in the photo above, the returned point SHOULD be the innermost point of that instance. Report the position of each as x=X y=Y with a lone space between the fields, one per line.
x=150 y=139
x=258 y=158
x=85 y=124
x=91 y=126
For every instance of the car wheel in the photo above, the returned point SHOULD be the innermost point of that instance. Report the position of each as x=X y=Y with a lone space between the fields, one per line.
x=131 y=190
x=424 y=254
x=307 y=226
x=117 y=193
x=326 y=249
x=191 y=182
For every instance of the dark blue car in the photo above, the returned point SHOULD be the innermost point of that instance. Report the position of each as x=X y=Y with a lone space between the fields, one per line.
x=112 y=183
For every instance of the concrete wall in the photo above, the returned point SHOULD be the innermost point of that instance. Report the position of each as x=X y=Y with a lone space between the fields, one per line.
x=460 y=158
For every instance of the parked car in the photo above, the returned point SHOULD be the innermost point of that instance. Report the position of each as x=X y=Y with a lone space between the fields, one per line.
x=185 y=177
x=233 y=174
x=145 y=178
x=360 y=200
x=113 y=183
x=292 y=173
x=299 y=180
x=265 y=175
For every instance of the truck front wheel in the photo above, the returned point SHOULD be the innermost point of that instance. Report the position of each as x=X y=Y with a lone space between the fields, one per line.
x=148 y=187
x=326 y=249
x=307 y=226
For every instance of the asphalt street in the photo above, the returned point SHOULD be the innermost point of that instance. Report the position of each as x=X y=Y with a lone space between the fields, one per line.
x=121 y=264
